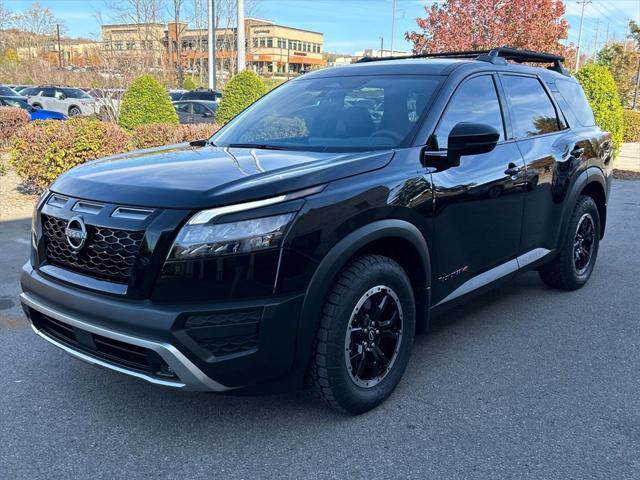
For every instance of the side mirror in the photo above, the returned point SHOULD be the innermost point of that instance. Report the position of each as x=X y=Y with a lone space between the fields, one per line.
x=207 y=114
x=468 y=138
x=62 y=97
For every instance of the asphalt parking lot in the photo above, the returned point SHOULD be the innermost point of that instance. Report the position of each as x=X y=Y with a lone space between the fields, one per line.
x=525 y=382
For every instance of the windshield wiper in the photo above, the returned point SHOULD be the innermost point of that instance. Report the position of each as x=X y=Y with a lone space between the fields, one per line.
x=256 y=145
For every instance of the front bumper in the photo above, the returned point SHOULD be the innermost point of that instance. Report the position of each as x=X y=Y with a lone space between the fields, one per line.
x=109 y=332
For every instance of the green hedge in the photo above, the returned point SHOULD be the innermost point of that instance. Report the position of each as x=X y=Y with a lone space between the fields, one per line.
x=631 y=125
x=601 y=90
x=144 y=102
x=242 y=90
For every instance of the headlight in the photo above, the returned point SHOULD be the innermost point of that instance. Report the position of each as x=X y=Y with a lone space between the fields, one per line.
x=197 y=240
x=34 y=216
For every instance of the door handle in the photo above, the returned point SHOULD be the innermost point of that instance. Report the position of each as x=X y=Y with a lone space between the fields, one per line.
x=577 y=152
x=512 y=169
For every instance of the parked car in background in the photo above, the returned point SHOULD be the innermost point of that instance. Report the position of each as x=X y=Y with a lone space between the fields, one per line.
x=21 y=102
x=67 y=100
x=202 y=94
x=196 y=111
x=7 y=91
x=176 y=93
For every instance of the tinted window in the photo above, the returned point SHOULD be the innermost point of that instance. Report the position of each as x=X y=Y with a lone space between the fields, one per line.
x=533 y=112
x=74 y=93
x=199 y=109
x=577 y=101
x=199 y=95
x=475 y=101
x=351 y=113
x=182 y=107
x=47 y=92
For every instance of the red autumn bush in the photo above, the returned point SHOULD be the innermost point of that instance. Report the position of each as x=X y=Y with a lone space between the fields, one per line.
x=11 y=119
x=158 y=134
x=42 y=150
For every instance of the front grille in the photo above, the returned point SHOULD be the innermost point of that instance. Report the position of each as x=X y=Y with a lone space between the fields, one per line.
x=119 y=353
x=107 y=253
x=227 y=332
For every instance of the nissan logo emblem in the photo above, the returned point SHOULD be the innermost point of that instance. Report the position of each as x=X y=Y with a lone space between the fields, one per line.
x=76 y=233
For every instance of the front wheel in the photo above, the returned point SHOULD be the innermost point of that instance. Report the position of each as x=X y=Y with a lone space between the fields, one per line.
x=365 y=335
x=74 y=111
x=573 y=265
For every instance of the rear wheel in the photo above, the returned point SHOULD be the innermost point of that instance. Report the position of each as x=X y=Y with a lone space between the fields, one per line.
x=365 y=336
x=573 y=265
x=74 y=111
x=37 y=106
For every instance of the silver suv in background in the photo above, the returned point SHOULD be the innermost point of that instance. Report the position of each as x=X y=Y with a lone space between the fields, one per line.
x=67 y=100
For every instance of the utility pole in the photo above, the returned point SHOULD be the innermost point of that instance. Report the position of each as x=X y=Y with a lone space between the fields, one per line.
x=240 y=29
x=211 y=45
x=393 y=23
x=635 y=95
x=595 y=44
x=584 y=4
x=382 y=46
x=60 y=59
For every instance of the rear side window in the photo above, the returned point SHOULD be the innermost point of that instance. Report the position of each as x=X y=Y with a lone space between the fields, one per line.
x=577 y=101
x=533 y=112
x=182 y=107
x=475 y=101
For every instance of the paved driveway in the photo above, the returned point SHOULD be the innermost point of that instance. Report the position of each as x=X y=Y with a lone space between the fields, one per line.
x=525 y=382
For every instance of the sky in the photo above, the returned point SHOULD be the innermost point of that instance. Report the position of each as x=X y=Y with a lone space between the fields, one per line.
x=352 y=25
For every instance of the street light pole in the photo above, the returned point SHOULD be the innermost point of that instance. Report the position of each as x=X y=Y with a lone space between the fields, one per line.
x=393 y=23
x=382 y=46
x=240 y=35
x=584 y=4
x=211 y=44
x=59 y=50
x=635 y=95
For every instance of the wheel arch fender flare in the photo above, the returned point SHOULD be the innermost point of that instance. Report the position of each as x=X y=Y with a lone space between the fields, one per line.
x=335 y=260
x=588 y=176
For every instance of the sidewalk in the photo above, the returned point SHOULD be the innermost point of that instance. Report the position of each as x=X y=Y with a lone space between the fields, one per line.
x=628 y=159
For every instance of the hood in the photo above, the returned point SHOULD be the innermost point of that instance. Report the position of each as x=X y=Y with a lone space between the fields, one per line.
x=186 y=177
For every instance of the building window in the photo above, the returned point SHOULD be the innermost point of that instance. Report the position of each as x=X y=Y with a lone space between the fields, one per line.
x=255 y=42
x=269 y=42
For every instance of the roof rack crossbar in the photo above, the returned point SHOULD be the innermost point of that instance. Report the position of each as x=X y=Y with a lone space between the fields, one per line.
x=498 y=55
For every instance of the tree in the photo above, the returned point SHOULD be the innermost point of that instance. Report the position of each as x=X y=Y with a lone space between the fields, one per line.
x=622 y=66
x=242 y=90
x=6 y=17
x=483 y=24
x=38 y=20
x=189 y=84
x=144 y=102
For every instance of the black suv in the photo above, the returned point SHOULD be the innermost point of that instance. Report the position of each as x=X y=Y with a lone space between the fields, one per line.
x=315 y=234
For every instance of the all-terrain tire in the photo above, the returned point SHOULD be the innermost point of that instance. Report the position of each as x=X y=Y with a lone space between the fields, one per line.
x=562 y=272
x=328 y=373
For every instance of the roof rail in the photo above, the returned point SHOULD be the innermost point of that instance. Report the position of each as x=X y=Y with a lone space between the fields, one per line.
x=498 y=55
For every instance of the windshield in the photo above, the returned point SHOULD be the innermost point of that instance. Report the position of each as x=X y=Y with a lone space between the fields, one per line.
x=8 y=91
x=354 y=113
x=15 y=102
